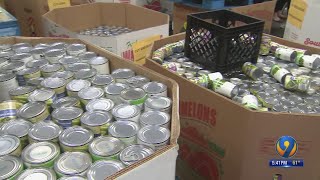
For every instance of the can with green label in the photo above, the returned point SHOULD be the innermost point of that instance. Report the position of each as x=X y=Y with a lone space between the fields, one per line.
x=21 y=93
x=133 y=96
x=279 y=73
x=97 y=121
x=19 y=128
x=105 y=148
x=75 y=138
x=10 y=167
x=252 y=71
x=300 y=83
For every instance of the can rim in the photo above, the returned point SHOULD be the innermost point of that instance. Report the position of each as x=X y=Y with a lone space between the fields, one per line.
x=86 y=118
x=14 y=139
x=42 y=124
x=93 y=149
x=49 y=174
x=134 y=108
x=132 y=150
x=142 y=134
x=99 y=93
x=111 y=166
x=162 y=86
x=24 y=89
x=121 y=85
x=59 y=113
x=108 y=104
x=35 y=93
x=85 y=157
x=26 y=153
x=66 y=132
x=71 y=100
x=86 y=84
x=112 y=129
x=26 y=125
x=16 y=167
x=144 y=117
x=41 y=105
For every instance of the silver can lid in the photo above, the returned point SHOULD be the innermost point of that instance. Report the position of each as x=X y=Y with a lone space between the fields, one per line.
x=66 y=113
x=20 y=56
x=85 y=73
x=103 y=169
x=28 y=71
x=158 y=102
x=37 y=63
x=90 y=93
x=39 y=50
x=102 y=80
x=35 y=81
x=154 y=134
x=48 y=68
x=44 y=131
x=65 y=102
x=9 y=166
x=137 y=81
x=135 y=153
x=31 y=109
x=63 y=74
x=154 y=87
x=38 y=173
x=5 y=47
x=73 y=48
x=8 y=144
x=12 y=66
x=16 y=127
x=40 y=152
x=6 y=54
x=115 y=88
x=122 y=73
x=123 y=129
x=133 y=94
x=106 y=146
x=101 y=104
x=78 y=66
x=72 y=178
x=78 y=84
x=96 y=118
x=54 y=53
x=45 y=45
x=98 y=60
x=58 y=45
x=69 y=60
x=21 y=90
x=6 y=77
x=154 y=118
x=72 y=163
x=19 y=45
x=53 y=83
x=41 y=95
x=76 y=136
x=125 y=111
x=87 y=56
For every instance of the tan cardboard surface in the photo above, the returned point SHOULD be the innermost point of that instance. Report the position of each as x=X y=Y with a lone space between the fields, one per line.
x=237 y=144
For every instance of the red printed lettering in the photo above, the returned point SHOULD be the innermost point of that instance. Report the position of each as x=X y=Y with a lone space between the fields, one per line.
x=308 y=41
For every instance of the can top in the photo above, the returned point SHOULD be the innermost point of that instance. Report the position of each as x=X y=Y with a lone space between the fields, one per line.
x=45 y=45
x=154 y=134
x=87 y=55
x=28 y=71
x=125 y=111
x=18 y=45
x=5 y=47
x=40 y=152
x=38 y=173
x=65 y=102
x=21 y=90
x=48 y=68
x=44 y=131
x=90 y=93
x=10 y=165
x=58 y=45
x=122 y=73
x=115 y=88
x=35 y=81
x=106 y=146
x=154 y=118
x=71 y=163
x=13 y=65
x=96 y=118
x=20 y=56
x=23 y=50
x=72 y=178
x=66 y=113
x=103 y=169
x=63 y=74
x=69 y=60
x=133 y=94
x=16 y=127
x=123 y=129
x=101 y=104
x=154 y=87
x=101 y=79
x=39 y=50
x=137 y=81
x=54 y=53
x=76 y=47
x=78 y=66
x=6 y=54
x=78 y=84
x=41 y=95
x=98 y=60
x=75 y=136
x=32 y=109
x=37 y=63
x=135 y=153
x=85 y=73
x=9 y=143
x=53 y=82
x=6 y=77
x=158 y=102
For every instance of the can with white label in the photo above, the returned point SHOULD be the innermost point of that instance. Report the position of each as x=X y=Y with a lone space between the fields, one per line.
x=279 y=73
x=126 y=131
x=101 y=64
x=47 y=96
x=156 y=137
x=135 y=153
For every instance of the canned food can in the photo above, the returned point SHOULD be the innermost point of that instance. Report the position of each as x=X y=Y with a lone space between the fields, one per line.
x=65 y=61
x=21 y=93
x=47 y=96
x=37 y=173
x=286 y=54
x=76 y=49
x=56 y=84
x=72 y=163
x=3 y=62
x=23 y=57
x=312 y=62
x=99 y=152
x=66 y=75
x=135 y=153
x=265 y=46
x=133 y=96
x=8 y=110
x=101 y=64
x=76 y=85
x=252 y=71
x=78 y=66
x=156 y=137
x=72 y=178
x=38 y=52
x=102 y=80
x=97 y=121
x=121 y=75
x=49 y=69
x=18 y=128
x=19 y=45
x=37 y=63
x=67 y=116
x=155 y=118
x=7 y=83
x=54 y=55
x=103 y=169
x=29 y=73
x=100 y=104
x=126 y=131
x=13 y=66
x=137 y=81
x=299 y=83
x=35 y=82
x=279 y=73
x=125 y=112
x=113 y=91
x=158 y=103
x=75 y=138
x=250 y=101
x=86 y=74
x=85 y=57
x=66 y=102
x=11 y=167
x=34 y=112
x=89 y=93
x=10 y=145
x=156 y=89
x=40 y=154
x=44 y=131
x=58 y=45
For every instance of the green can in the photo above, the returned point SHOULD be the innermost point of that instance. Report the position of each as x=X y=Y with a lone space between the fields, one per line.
x=75 y=138
x=279 y=73
x=10 y=167
x=19 y=128
x=252 y=71
x=10 y=145
x=21 y=93
x=106 y=148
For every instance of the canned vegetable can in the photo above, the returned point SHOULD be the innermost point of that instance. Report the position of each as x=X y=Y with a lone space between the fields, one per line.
x=137 y=81
x=66 y=102
x=158 y=103
x=101 y=104
x=133 y=96
x=8 y=110
x=44 y=131
x=67 y=116
x=10 y=145
x=135 y=153
x=101 y=64
x=76 y=85
x=100 y=170
x=113 y=91
x=18 y=128
x=125 y=112
x=75 y=138
x=102 y=80
x=121 y=75
x=89 y=93
x=37 y=173
x=155 y=118
x=21 y=93
x=7 y=83
x=98 y=150
x=34 y=112
x=11 y=167
x=155 y=137
x=56 y=84
x=26 y=74
x=126 y=131
x=97 y=121
x=47 y=96
x=156 y=89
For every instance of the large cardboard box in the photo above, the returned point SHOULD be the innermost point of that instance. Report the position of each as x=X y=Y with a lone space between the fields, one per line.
x=67 y=22
x=301 y=24
x=263 y=11
x=223 y=140
x=161 y=164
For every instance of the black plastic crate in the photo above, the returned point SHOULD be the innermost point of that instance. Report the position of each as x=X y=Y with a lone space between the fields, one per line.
x=222 y=40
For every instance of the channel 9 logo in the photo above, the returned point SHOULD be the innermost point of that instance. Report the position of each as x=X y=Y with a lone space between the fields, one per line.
x=286 y=146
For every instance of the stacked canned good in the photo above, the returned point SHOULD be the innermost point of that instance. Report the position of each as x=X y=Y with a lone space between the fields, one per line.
x=64 y=115
x=106 y=31
x=284 y=79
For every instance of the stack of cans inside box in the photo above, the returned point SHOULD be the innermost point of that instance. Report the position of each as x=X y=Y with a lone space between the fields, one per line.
x=106 y=31
x=284 y=79
x=64 y=115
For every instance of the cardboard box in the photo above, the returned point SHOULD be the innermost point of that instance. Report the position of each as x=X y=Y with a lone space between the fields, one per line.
x=263 y=11
x=301 y=24
x=223 y=140
x=144 y=22
x=161 y=164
